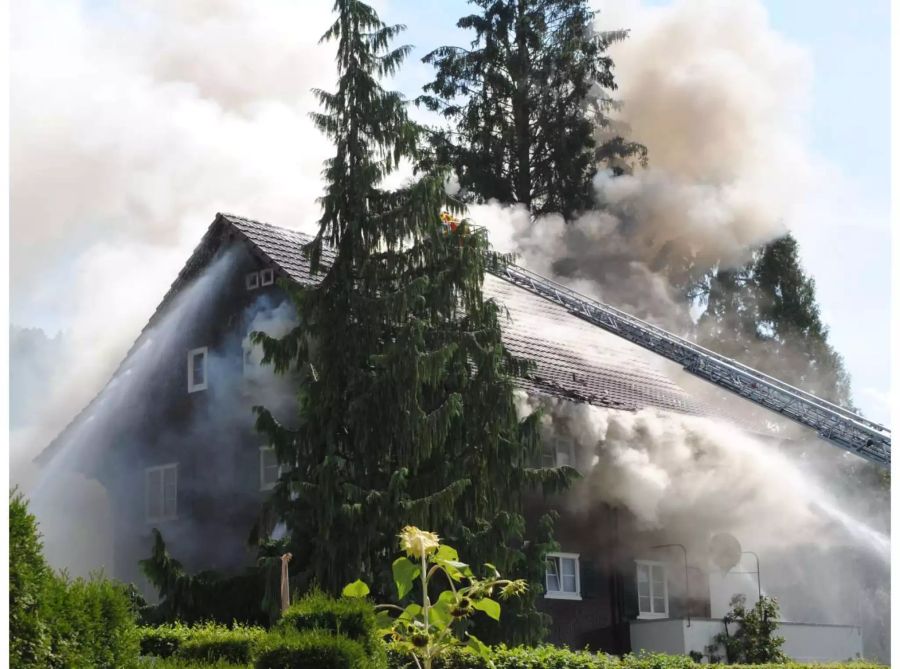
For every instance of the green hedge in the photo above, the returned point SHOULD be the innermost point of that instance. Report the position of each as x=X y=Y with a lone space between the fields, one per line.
x=553 y=657
x=163 y=640
x=204 y=642
x=315 y=649
x=352 y=617
x=213 y=642
x=59 y=622
x=178 y=663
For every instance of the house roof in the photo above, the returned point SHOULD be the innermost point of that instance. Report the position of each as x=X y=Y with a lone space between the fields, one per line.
x=573 y=359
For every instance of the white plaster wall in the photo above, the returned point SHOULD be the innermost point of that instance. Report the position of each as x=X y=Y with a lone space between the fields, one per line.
x=802 y=642
x=661 y=636
x=814 y=643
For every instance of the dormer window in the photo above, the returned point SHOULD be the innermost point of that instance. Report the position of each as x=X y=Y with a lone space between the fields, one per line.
x=252 y=281
x=266 y=276
x=196 y=369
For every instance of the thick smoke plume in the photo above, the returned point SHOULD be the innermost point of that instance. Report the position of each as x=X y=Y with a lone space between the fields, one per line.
x=717 y=96
x=130 y=127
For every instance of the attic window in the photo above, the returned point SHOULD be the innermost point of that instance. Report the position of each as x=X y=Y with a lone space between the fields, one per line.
x=161 y=492
x=266 y=276
x=252 y=281
x=196 y=369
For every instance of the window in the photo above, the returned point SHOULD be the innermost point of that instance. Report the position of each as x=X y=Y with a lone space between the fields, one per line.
x=652 y=590
x=248 y=361
x=558 y=451
x=252 y=281
x=269 y=470
x=266 y=277
x=161 y=492
x=196 y=369
x=563 y=579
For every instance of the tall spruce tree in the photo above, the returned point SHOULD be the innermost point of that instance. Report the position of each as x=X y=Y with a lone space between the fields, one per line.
x=406 y=406
x=526 y=104
x=765 y=315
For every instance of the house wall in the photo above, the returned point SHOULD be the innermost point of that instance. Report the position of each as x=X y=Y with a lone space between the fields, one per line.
x=209 y=434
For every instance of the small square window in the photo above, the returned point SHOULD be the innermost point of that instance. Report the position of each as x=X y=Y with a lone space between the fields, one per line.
x=252 y=281
x=563 y=578
x=652 y=590
x=269 y=469
x=557 y=452
x=161 y=492
x=266 y=277
x=196 y=369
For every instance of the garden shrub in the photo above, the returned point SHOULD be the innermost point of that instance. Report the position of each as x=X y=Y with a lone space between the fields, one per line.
x=90 y=623
x=351 y=617
x=517 y=657
x=163 y=640
x=58 y=622
x=179 y=663
x=28 y=576
x=553 y=657
x=212 y=642
x=314 y=649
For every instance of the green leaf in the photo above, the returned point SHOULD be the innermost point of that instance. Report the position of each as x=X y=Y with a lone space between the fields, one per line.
x=455 y=569
x=383 y=623
x=355 y=589
x=405 y=573
x=493 y=569
x=489 y=606
x=411 y=612
x=446 y=552
x=439 y=614
x=480 y=649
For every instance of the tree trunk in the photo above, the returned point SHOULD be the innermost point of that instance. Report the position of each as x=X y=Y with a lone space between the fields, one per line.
x=521 y=109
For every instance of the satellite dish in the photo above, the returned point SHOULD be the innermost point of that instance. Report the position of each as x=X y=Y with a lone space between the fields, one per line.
x=725 y=551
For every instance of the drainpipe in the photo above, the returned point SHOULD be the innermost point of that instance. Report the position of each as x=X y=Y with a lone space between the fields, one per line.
x=687 y=584
x=758 y=576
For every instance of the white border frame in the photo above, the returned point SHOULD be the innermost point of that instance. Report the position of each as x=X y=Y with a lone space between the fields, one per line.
x=558 y=594
x=642 y=615
x=264 y=274
x=196 y=387
x=160 y=468
x=251 y=280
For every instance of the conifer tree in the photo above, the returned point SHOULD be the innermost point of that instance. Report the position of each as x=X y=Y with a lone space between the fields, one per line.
x=527 y=104
x=765 y=315
x=406 y=407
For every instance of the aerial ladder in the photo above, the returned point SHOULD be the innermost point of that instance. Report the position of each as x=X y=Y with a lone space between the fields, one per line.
x=832 y=423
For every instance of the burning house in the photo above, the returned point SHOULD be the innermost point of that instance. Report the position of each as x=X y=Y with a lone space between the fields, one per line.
x=172 y=441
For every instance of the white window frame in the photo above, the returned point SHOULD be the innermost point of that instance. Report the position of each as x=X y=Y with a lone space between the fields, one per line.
x=194 y=387
x=562 y=594
x=263 y=484
x=266 y=276
x=162 y=492
x=649 y=564
x=251 y=281
x=556 y=442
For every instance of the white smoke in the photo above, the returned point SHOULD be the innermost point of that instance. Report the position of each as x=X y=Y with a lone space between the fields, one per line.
x=718 y=97
x=131 y=126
